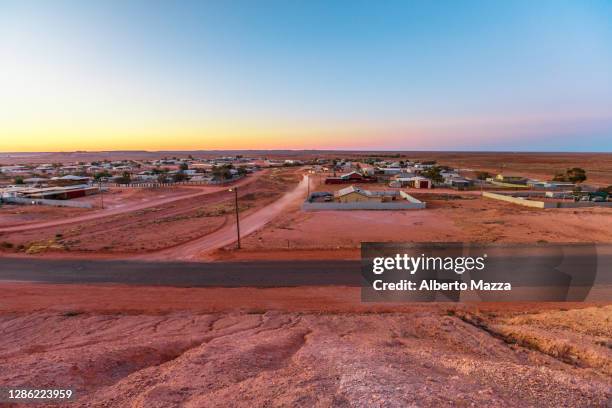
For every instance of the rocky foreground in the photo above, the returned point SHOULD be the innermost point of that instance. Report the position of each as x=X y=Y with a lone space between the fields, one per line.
x=428 y=358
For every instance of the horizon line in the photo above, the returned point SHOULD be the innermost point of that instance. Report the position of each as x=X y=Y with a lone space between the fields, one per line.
x=305 y=150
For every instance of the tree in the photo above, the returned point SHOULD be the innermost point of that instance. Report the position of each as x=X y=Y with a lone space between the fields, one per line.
x=222 y=172
x=183 y=166
x=605 y=189
x=162 y=178
x=241 y=171
x=483 y=175
x=433 y=173
x=19 y=180
x=574 y=175
x=101 y=174
x=125 y=178
x=179 y=177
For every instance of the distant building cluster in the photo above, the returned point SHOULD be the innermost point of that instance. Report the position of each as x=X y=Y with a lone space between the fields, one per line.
x=62 y=181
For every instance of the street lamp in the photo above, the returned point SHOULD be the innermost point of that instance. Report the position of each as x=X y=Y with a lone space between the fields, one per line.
x=235 y=190
x=309 y=173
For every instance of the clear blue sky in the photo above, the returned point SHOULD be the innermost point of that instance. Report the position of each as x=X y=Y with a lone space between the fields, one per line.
x=447 y=75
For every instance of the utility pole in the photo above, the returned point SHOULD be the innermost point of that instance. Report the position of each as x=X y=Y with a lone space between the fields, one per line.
x=101 y=195
x=235 y=190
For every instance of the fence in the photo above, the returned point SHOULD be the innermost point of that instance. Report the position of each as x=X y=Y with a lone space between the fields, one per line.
x=544 y=204
x=173 y=184
x=409 y=203
x=42 y=201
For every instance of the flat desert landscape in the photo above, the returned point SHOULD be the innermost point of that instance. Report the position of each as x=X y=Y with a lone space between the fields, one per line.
x=146 y=346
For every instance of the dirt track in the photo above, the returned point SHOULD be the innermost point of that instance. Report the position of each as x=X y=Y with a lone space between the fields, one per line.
x=108 y=212
x=227 y=235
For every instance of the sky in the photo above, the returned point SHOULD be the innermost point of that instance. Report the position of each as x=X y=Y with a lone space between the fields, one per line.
x=306 y=74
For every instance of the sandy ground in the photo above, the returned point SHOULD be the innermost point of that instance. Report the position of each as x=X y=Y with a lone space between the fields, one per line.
x=542 y=166
x=452 y=217
x=122 y=201
x=153 y=224
x=285 y=349
x=194 y=227
x=308 y=346
x=249 y=222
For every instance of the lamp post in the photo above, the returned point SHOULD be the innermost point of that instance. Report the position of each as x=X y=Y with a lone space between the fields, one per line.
x=309 y=173
x=235 y=190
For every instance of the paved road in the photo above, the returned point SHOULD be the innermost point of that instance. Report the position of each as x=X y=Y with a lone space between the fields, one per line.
x=528 y=270
x=226 y=274
x=125 y=209
x=227 y=235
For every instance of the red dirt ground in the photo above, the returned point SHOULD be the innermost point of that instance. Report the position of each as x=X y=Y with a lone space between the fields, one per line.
x=156 y=226
x=460 y=217
x=142 y=347
x=315 y=346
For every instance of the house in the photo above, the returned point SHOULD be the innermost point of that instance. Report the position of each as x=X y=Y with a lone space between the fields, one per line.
x=201 y=178
x=60 y=193
x=424 y=165
x=69 y=169
x=45 y=169
x=404 y=175
x=551 y=185
x=389 y=171
x=403 y=179
x=447 y=175
x=458 y=182
x=354 y=194
x=510 y=179
x=68 y=180
x=35 y=180
x=14 y=169
x=352 y=177
x=356 y=198
x=146 y=176
x=419 y=182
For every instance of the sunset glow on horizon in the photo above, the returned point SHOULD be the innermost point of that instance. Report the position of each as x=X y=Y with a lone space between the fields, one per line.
x=405 y=75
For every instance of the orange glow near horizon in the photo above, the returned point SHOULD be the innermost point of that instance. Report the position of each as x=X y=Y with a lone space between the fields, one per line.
x=156 y=135
x=21 y=140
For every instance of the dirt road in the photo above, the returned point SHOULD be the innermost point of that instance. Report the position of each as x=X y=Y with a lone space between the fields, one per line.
x=227 y=235
x=202 y=191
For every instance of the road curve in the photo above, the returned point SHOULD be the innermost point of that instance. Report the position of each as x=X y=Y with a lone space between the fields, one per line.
x=121 y=210
x=227 y=235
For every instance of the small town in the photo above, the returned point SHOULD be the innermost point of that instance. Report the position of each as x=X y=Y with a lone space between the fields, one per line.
x=322 y=203
x=55 y=183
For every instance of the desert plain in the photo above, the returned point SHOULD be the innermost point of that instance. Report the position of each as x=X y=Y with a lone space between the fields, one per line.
x=146 y=346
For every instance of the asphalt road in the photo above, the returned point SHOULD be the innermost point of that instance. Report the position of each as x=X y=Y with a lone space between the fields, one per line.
x=576 y=269
x=185 y=274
